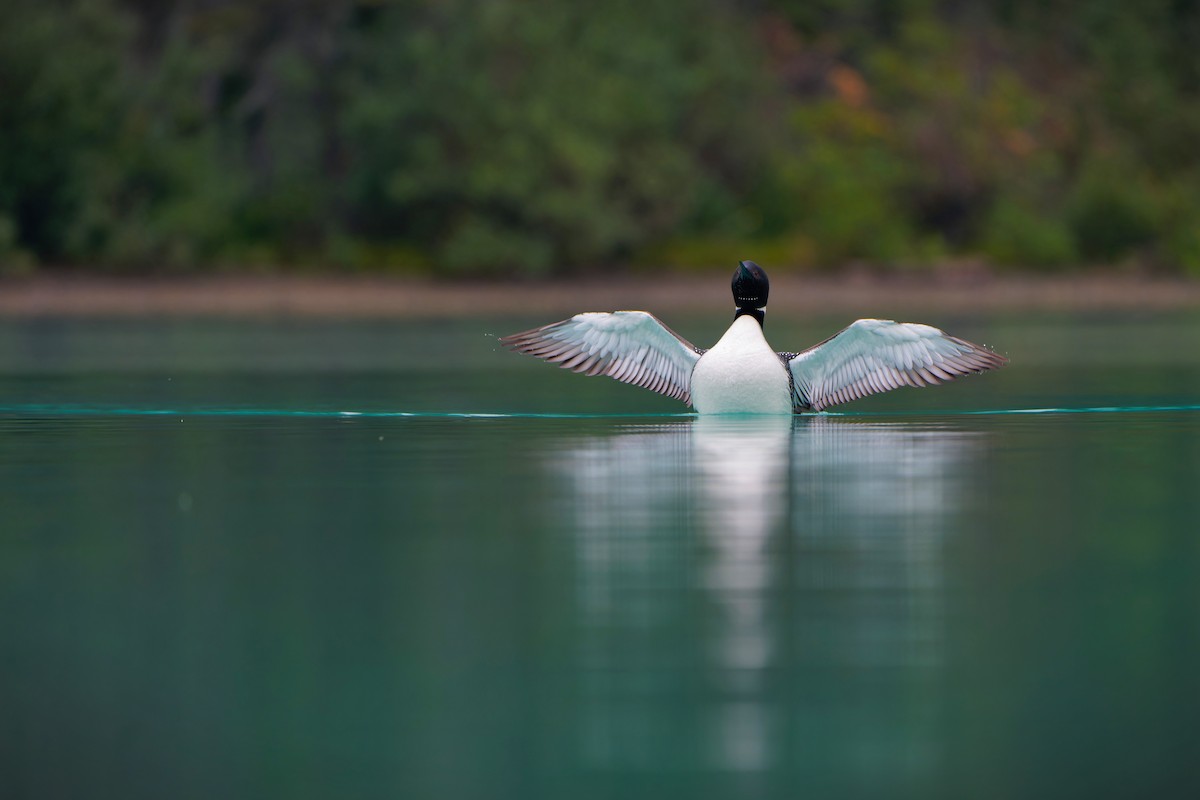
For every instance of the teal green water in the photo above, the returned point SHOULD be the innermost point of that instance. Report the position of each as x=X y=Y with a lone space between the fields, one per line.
x=285 y=559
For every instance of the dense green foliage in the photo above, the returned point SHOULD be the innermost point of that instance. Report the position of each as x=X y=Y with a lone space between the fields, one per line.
x=536 y=136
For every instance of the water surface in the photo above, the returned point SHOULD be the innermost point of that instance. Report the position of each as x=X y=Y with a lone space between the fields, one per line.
x=256 y=559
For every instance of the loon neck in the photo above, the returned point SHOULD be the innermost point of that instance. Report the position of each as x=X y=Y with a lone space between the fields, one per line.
x=758 y=313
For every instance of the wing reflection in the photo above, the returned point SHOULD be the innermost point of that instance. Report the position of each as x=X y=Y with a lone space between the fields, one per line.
x=746 y=586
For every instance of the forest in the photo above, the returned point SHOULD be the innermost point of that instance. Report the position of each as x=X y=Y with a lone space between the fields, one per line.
x=506 y=138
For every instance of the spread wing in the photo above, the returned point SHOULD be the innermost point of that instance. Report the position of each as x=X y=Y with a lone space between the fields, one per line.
x=876 y=355
x=631 y=346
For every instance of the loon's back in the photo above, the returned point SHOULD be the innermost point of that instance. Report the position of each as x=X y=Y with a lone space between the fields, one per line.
x=741 y=374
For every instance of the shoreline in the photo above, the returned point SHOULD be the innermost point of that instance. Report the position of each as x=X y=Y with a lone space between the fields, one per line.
x=421 y=298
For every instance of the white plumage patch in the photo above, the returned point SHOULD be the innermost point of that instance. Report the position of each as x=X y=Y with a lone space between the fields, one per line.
x=741 y=374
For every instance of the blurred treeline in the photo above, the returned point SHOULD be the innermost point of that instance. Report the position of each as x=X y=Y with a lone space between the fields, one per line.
x=537 y=136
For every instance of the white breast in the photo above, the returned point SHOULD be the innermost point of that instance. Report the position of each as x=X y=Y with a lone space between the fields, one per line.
x=741 y=374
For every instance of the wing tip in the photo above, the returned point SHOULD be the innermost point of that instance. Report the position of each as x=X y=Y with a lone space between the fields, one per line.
x=527 y=341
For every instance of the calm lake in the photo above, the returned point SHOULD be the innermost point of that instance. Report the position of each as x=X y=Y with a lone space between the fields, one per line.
x=294 y=559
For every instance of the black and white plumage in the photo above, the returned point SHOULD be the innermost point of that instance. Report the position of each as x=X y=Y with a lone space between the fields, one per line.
x=741 y=373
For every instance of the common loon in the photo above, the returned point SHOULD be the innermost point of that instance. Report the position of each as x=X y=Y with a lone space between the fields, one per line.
x=741 y=374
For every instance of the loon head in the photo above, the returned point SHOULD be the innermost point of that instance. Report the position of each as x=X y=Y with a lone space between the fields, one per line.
x=750 y=288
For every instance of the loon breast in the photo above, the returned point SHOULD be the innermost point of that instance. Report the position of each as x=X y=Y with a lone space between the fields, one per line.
x=741 y=374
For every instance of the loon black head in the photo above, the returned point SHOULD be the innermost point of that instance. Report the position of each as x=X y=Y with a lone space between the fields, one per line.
x=750 y=289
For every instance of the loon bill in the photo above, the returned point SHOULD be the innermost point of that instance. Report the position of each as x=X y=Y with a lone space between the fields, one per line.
x=741 y=374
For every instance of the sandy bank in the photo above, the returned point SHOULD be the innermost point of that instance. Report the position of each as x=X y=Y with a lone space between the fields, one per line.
x=858 y=295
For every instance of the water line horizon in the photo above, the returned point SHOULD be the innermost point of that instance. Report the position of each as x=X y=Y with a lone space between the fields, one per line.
x=19 y=410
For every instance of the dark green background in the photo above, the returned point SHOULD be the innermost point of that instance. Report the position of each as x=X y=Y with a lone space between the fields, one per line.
x=538 y=137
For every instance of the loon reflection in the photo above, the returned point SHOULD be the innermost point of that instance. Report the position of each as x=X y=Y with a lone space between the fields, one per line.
x=718 y=554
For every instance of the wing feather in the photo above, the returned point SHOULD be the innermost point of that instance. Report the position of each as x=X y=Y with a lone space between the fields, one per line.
x=877 y=355
x=632 y=346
